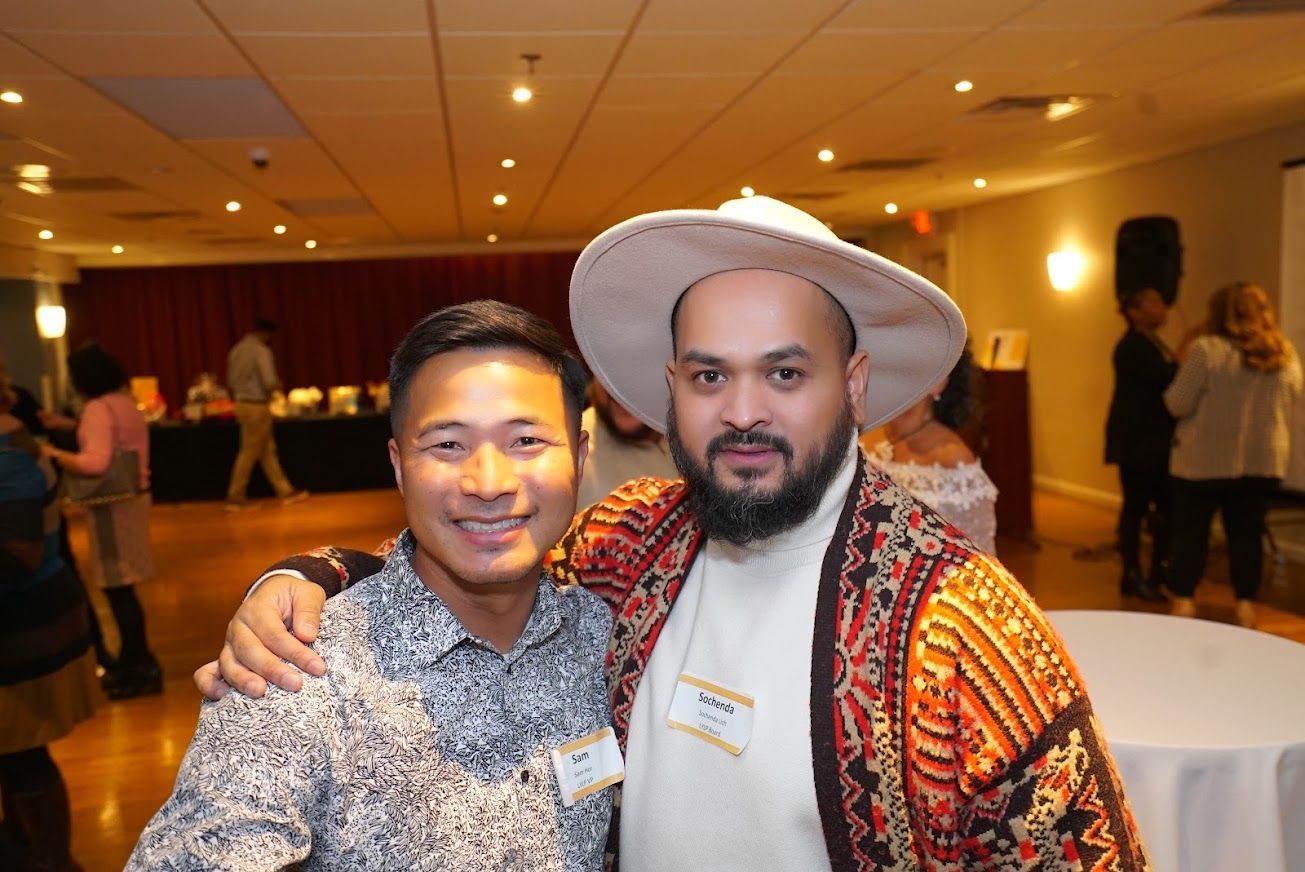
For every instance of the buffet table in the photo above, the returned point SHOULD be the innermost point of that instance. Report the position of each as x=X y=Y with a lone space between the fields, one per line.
x=1207 y=724
x=321 y=453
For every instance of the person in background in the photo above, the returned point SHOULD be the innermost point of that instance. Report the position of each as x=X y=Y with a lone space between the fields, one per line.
x=251 y=374
x=118 y=531
x=1233 y=398
x=1139 y=430
x=27 y=410
x=925 y=455
x=47 y=668
x=621 y=448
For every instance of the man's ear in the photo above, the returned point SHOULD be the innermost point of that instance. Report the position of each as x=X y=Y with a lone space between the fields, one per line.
x=398 y=466
x=581 y=455
x=670 y=375
x=857 y=376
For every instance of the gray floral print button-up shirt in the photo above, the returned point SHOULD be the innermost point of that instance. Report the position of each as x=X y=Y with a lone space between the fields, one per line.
x=421 y=748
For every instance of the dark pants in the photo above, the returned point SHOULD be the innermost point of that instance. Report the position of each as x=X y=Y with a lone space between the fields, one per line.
x=1242 y=504
x=1144 y=487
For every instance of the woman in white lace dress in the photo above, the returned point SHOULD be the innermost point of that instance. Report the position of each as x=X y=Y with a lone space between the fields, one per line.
x=924 y=454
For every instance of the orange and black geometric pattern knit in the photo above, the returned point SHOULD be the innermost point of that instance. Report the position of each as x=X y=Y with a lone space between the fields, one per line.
x=950 y=730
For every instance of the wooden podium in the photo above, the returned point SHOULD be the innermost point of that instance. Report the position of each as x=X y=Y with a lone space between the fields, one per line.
x=1007 y=452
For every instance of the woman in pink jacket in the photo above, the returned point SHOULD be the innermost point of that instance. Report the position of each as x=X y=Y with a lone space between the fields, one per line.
x=119 y=530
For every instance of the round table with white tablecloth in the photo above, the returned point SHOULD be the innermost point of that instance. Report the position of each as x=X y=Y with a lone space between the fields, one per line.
x=1206 y=722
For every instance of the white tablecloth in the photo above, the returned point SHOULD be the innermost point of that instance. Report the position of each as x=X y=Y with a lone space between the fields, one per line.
x=1207 y=724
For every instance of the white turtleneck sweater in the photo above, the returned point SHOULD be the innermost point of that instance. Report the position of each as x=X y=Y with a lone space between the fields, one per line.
x=744 y=620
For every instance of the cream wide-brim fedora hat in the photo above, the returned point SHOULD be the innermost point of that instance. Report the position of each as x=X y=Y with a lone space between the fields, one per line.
x=627 y=281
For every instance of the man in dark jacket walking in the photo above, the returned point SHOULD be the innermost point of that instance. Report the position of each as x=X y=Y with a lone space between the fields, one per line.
x=1139 y=430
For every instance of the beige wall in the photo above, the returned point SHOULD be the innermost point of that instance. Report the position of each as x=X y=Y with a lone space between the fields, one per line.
x=1228 y=202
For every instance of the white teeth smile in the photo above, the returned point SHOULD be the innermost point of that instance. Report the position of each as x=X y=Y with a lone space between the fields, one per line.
x=490 y=527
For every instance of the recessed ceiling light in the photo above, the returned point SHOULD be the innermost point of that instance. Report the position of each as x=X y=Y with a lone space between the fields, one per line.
x=11 y=97
x=747 y=191
x=522 y=94
x=500 y=199
x=890 y=208
x=980 y=183
x=963 y=85
x=233 y=206
x=493 y=237
x=279 y=229
x=312 y=243
x=825 y=155
x=117 y=249
x=46 y=234
x=507 y=163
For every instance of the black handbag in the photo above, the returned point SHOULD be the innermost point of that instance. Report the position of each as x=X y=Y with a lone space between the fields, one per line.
x=121 y=481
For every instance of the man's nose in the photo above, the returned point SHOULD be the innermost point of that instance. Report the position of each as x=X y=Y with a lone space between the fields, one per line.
x=488 y=474
x=747 y=405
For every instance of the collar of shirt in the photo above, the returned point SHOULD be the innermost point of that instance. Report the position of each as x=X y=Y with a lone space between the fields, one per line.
x=420 y=630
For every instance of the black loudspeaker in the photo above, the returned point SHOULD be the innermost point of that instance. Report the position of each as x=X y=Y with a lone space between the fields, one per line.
x=1148 y=254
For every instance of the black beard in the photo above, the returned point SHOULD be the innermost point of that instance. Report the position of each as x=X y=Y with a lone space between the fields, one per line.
x=747 y=514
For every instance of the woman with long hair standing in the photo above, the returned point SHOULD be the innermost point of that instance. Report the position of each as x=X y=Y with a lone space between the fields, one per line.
x=118 y=530
x=1233 y=398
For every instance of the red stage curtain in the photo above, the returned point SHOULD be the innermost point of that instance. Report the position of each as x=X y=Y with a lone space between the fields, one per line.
x=338 y=321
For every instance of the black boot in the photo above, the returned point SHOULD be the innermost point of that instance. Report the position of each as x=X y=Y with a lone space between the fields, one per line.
x=141 y=678
x=1132 y=584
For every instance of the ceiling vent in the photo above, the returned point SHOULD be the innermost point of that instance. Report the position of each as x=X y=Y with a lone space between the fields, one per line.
x=327 y=208
x=1051 y=107
x=234 y=240
x=886 y=164
x=184 y=215
x=810 y=196
x=1231 y=8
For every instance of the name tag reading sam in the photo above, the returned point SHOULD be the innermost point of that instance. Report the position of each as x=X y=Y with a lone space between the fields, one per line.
x=588 y=765
x=713 y=713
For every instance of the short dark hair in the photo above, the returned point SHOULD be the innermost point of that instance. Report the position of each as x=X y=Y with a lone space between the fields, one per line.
x=957 y=404
x=264 y=325
x=94 y=372
x=478 y=325
x=840 y=323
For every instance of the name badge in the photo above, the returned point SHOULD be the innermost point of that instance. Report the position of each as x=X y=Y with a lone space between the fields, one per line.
x=588 y=765
x=713 y=713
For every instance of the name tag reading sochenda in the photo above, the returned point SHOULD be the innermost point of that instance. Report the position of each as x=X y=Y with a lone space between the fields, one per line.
x=712 y=713
x=587 y=765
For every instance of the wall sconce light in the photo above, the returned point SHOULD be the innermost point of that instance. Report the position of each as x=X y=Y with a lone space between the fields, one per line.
x=51 y=321
x=1065 y=268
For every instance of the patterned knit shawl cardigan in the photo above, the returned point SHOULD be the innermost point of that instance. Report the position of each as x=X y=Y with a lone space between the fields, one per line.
x=949 y=729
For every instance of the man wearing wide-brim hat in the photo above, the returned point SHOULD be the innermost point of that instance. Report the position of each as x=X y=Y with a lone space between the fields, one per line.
x=809 y=668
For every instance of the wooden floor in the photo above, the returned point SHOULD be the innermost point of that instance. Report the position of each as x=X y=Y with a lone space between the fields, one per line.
x=120 y=765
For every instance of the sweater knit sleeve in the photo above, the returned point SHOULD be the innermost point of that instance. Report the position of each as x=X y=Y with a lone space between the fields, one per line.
x=94 y=440
x=334 y=569
x=998 y=708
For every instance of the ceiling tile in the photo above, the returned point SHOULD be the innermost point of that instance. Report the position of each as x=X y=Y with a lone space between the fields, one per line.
x=495 y=55
x=349 y=56
x=189 y=108
x=935 y=14
x=541 y=16
x=320 y=16
x=899 y=52
x=359 y=97
x=150 y=55
x=137 y=16
x=297 y=168
x=1105 y=13
x=688 y=53
x=731 y=18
